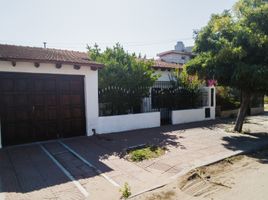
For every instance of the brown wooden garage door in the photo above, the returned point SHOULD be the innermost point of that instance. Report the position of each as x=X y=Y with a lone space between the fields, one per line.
x=35 y=107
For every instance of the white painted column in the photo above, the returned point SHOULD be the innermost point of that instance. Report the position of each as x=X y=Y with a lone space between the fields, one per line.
x=91 y=101
x=212 y=108
x=0 y=135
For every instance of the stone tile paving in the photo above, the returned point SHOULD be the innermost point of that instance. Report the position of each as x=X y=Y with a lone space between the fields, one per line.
x=27 y=173
x=189 y=146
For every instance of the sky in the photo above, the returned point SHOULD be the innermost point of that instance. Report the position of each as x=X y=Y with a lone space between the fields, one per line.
x=141 y=26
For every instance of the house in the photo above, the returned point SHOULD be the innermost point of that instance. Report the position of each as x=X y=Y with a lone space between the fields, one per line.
x=50 y=93
x=165 y=70
x=172 y=60
x=180 y=54
x=46 y=94
x=166 y=65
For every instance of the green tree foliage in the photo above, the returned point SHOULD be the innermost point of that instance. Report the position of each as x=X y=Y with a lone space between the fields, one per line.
x=124 y=81
x=232 y=48
x=186 y=81
x=122 y=69
x=185 y=93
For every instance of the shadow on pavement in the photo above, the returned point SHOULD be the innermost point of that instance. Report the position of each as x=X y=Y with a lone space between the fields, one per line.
x=253 y=143
x=26 y=169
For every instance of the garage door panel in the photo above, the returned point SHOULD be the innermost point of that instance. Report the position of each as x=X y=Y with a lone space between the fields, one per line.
x=7 y=100
x=22 y=115
x=6 y=85
x=46 y=131
x=50 y=85
x=73 y=128
x=39 y=85
x=40 y=107
x=39 y=99
x=40 y=114
x=76 y=86
x=21 y=85
x=64 y=85
x=76 y=100
x=65 y=99
x=77 y=113
x=52 y=113
x=21 y=100
x=17 y=133
x=51 y=100
x=17 y=115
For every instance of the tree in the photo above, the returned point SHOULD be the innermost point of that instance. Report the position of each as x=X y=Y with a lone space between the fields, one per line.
x=122 y=69
x=124 y=81
x=232 y=48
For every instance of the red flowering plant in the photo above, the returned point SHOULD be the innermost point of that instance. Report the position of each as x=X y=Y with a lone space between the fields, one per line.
x=211 y=82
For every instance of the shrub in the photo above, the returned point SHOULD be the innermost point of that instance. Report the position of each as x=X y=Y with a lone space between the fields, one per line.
x=266 y=99
x=145 y=153
x=126 y=191
x=227 y=98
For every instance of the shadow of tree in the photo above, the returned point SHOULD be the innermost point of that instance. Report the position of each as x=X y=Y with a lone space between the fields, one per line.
x=255 y=145
x=164 y=136
x=21 y=162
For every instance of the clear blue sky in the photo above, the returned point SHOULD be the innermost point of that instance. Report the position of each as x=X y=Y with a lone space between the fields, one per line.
x=146 y=26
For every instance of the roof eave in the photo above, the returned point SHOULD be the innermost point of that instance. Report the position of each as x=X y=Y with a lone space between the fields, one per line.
x=94 y=65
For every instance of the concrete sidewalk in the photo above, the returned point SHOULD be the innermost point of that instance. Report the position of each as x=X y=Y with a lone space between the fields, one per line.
x=27 y=173
x=189 y=146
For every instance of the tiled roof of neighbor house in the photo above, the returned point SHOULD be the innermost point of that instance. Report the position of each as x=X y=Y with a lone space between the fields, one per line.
x=166 y=65
x=45 y=55
x=175 y=52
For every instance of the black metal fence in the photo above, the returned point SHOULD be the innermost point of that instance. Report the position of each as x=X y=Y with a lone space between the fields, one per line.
x=116 y=100
x=161 y=97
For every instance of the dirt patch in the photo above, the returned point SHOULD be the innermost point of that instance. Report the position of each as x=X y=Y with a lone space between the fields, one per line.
x=162 y=196
x=226 y=179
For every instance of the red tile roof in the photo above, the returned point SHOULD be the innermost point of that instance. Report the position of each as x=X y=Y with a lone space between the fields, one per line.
x=166 y=65
x=45 y=55
x=175 y=52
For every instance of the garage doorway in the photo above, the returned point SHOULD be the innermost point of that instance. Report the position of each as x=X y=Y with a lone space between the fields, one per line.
x=37 y=107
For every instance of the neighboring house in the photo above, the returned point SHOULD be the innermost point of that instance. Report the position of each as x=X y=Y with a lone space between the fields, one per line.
x=172 y=60
x=169 y=62
x=165 y=70
x=46 y=94
x=180 y=54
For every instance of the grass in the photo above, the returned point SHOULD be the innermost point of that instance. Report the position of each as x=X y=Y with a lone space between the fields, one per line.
x=266 y=103
x=266 y=107
x=266 y=99
x=246 y=131
x=126 y=191
x=231 y=130
x=145 y=153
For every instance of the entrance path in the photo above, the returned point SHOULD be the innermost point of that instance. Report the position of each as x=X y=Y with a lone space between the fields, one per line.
x=27 y=172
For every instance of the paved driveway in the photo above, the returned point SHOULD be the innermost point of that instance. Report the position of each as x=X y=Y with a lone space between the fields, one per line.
x=94 y=167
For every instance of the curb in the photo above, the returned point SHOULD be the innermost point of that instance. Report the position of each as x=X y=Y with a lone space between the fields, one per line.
x=188 y=169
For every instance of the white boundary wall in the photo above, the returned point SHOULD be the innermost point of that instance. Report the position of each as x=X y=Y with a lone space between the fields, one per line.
x=90 y=82
x=195 y=115
x=191 y=115
x=119 y=123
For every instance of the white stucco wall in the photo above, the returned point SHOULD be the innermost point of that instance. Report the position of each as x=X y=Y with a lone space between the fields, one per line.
x=0 y=136
x=175 y=58
x=256 y=111
x=164 y=75
x=195 y=115
x=119 y=123
x=91 y=84
x=186 y=116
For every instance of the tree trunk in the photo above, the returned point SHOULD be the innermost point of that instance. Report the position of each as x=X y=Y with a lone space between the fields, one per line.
x=246 y=96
